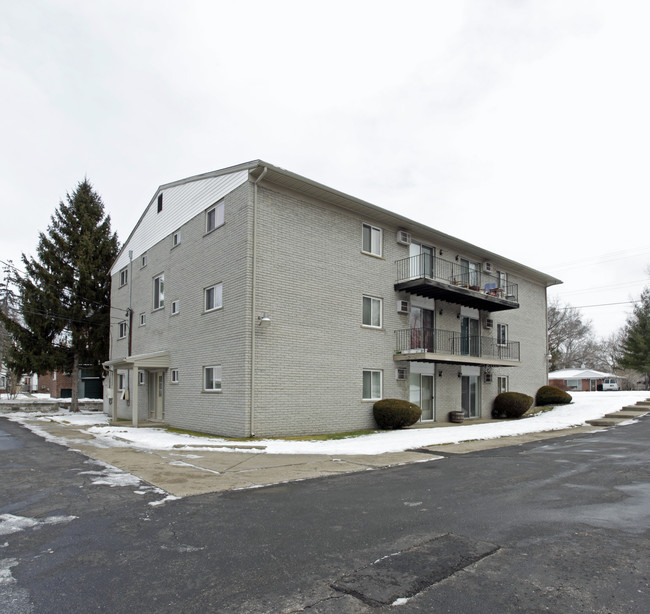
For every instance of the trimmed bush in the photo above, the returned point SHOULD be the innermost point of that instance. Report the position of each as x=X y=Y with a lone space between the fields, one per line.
x=551 y=395
x=511 y=405
x=395 y=413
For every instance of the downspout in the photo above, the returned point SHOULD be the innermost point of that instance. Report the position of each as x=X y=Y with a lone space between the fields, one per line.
x=130 y=299
x=253 y=306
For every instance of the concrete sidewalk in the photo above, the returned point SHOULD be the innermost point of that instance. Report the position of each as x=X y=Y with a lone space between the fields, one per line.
x=182 y=473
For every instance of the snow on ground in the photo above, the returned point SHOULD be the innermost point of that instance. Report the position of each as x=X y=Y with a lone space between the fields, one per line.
x=585 y=406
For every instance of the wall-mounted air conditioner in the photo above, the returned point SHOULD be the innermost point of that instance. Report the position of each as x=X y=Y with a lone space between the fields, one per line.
x=488 y=377
x=401 y=373
x=489 y=323
x=402 y=306
x=488 y=267
x=403 y=237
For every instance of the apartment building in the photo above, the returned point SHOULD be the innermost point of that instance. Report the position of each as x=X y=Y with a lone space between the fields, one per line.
x=251 y=301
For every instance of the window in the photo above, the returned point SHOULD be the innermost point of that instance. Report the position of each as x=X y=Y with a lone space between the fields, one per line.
x=143 y=319
x=213 y=297
x=140 y=378
x=214 y=217
x=371 y=240
x=502 y=384
x=174 y=376
x=159 y=203
x=120 y=381
x=502 y=334
x=124 y=277
x=159 y=291
x=176 y=307
x=123 y=329
x=212 y=379
x=372 y=311
x=371 y=385
x=176 y=238
x=143 y=261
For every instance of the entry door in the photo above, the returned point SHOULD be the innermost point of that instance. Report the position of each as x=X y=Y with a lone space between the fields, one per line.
x=421 y=393
x=469 y=335
x=158 y=395
x=469 y=395
x=421 y=324
x=421 y=260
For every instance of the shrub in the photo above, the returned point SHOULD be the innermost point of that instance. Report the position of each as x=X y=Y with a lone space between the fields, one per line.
x=551 y=395
x=395 y=413
x=511 y=405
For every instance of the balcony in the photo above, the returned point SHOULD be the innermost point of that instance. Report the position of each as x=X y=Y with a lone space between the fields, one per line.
x=433 y=277
x=444 y=346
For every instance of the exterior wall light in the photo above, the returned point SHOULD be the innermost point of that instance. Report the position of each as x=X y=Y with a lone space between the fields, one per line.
x=264 y=319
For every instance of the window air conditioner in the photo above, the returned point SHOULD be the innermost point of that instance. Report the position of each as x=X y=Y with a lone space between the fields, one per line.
x=402 y=306
x=489 y=323
x=487 y=267
x=400 y=374
x=403 y=237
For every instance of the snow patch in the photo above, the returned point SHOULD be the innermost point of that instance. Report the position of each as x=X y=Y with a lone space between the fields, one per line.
x=13 y=524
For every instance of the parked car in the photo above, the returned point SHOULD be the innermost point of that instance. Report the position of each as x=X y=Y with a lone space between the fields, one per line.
x=610 y=383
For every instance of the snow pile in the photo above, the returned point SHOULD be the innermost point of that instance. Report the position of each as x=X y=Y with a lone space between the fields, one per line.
x=585 y=406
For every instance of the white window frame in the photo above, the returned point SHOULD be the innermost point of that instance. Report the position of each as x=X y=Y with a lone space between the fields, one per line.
x=214 y=217
x=502 y=334
x=121 y=382
x=159 y=292
x=374 y=242
x=144 y=259
x=141 y=378
x=143 y=319
x=173 y=377
x=213 y=372
x=216 y=291
x=502 y=384
x=123 y=329
x=124 y=277
x=176 y=239
x=176 y=307
x=375 y=313
x=370 y=379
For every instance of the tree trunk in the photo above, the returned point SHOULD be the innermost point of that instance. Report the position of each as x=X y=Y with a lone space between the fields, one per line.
x=74 y=401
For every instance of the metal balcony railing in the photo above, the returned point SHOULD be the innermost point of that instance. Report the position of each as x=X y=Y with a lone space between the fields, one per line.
x=435 y=341
x=456 y=274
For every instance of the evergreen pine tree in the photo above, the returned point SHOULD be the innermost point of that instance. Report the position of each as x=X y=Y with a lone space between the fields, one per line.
x=635 y=348
x=65 y=291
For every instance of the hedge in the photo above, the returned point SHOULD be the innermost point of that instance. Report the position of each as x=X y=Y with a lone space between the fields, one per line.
x=550 y=395
x=395 y=413
x=511 y=405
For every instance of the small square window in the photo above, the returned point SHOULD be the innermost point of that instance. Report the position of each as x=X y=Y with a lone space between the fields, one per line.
x=213 y=297
x=143 y=319
x=371 y=385
x=174 y=376
x=143 y=261
x=176 y=307
x=176 y=238
x=122 y=329
x=124 y=277
x=371 y=240
x=214 y=217
x=212 y=379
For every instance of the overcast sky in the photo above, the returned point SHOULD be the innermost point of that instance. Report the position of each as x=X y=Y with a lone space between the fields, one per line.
x=520 y=126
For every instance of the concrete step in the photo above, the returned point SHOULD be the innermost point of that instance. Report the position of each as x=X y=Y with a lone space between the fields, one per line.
x=626 y=414
x=642 y=409
x=606 y=421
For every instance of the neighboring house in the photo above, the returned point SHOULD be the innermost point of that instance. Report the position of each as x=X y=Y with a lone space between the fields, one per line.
x=582 y=379
x=259 y=302
x=59 y=385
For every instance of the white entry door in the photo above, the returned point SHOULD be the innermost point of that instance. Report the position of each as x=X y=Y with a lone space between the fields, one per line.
x=157 y=391
x=421 y=393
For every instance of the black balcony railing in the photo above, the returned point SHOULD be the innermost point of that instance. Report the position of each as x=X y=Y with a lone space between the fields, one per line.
x=426 y=266
x=435 y=341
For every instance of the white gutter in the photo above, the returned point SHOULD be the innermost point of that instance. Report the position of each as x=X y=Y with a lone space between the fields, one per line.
x=253 y=305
